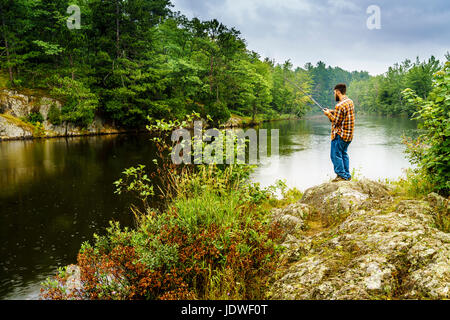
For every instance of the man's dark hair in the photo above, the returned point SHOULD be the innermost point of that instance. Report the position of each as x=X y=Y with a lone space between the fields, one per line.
x=341 y=87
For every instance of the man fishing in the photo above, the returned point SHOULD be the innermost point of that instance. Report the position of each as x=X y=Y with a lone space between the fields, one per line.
x=342 y=126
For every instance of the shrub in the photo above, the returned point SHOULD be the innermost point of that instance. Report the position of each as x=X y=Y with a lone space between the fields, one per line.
x=416 y=184
x=54 y=115
x=205 y=245
x=35 y=117
x=80 y=103
x=213 y=239
x=431 y=151
x=219 y=111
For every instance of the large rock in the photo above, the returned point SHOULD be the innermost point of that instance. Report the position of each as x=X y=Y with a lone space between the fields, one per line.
x=291 y=219
x=389 y=251
x=11 y=130
x=344 y=195
x=21 y=105
x=14 y=103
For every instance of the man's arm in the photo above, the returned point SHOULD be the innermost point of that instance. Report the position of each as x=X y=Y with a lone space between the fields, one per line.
x=336 y=116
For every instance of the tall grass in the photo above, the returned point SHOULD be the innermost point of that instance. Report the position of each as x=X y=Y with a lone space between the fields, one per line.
x=415 y=184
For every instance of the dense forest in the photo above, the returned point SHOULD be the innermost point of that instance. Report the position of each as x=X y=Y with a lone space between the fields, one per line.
x=132 y=59
x=383 y=94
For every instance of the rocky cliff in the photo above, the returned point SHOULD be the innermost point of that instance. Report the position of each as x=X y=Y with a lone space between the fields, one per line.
x=15 y=107
x=353 y=240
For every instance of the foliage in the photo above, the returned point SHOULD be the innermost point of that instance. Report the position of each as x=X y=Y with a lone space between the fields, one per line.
x=79 y=102
x=432 y=150
x=35 y=117
x=415 y=184
x=382 y=94
x=213 y=239
x=325 y=78
x=54 y=115
x=180 y=255
x=137 y=182
x=134 y=59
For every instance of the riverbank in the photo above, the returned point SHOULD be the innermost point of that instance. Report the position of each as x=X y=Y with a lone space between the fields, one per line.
x=31 y=115
x=348 y=240
x=236 y=121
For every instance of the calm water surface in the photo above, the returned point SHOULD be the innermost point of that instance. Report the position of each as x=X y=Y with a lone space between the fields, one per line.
x=54 y=194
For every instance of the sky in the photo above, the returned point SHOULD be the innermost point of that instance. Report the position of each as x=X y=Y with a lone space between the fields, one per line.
x=333 y=31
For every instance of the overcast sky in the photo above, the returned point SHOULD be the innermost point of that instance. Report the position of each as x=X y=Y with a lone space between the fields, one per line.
x=334 y=31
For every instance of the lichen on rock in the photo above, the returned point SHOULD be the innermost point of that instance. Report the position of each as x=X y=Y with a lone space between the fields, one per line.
x=373 y=253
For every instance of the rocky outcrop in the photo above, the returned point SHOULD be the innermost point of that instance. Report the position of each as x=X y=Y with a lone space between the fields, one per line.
x=380 y=248
x=233 y=122
x=340 y=197
x=11 y=130
x=291 y=220
x=15 y=107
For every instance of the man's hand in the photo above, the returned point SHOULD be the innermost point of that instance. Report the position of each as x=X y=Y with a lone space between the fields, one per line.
x=327 y=112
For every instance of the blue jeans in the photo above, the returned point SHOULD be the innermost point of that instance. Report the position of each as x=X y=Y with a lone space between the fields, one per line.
x=339 y=157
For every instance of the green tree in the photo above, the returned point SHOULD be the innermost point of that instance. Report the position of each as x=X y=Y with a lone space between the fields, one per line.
x=432 y=150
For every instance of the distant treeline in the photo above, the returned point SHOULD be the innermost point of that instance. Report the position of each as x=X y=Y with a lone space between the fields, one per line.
x=382 y=94
x=325 y=78
x=137 y=58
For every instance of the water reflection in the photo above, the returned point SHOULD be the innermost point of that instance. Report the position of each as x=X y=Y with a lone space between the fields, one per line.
x=54 y=195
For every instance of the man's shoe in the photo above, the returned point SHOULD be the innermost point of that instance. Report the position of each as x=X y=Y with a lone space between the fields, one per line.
x=337 y=179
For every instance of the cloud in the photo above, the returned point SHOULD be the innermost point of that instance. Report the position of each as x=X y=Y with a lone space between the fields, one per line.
x=333 y=31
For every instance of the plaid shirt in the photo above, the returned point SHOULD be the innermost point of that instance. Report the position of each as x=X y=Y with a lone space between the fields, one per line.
x=343 y=120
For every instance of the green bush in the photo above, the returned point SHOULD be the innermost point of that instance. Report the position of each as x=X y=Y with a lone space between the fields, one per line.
x=219 y=112
x=431 y=151
x=213 y=241
x=35 y=117
x=54 y=115
x=214 y=238
x=80 y=103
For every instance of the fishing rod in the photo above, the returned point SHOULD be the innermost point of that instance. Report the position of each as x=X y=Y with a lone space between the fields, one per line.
x=321 y=108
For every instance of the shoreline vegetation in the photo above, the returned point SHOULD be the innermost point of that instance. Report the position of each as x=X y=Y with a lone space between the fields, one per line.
x=37 y=132
x=163 y=65
x=221 y=237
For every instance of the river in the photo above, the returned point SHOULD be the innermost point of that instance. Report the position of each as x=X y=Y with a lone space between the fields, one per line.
x=55 y=193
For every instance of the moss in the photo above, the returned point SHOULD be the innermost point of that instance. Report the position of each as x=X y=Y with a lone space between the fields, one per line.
x=18 y=122
x=339 y=260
